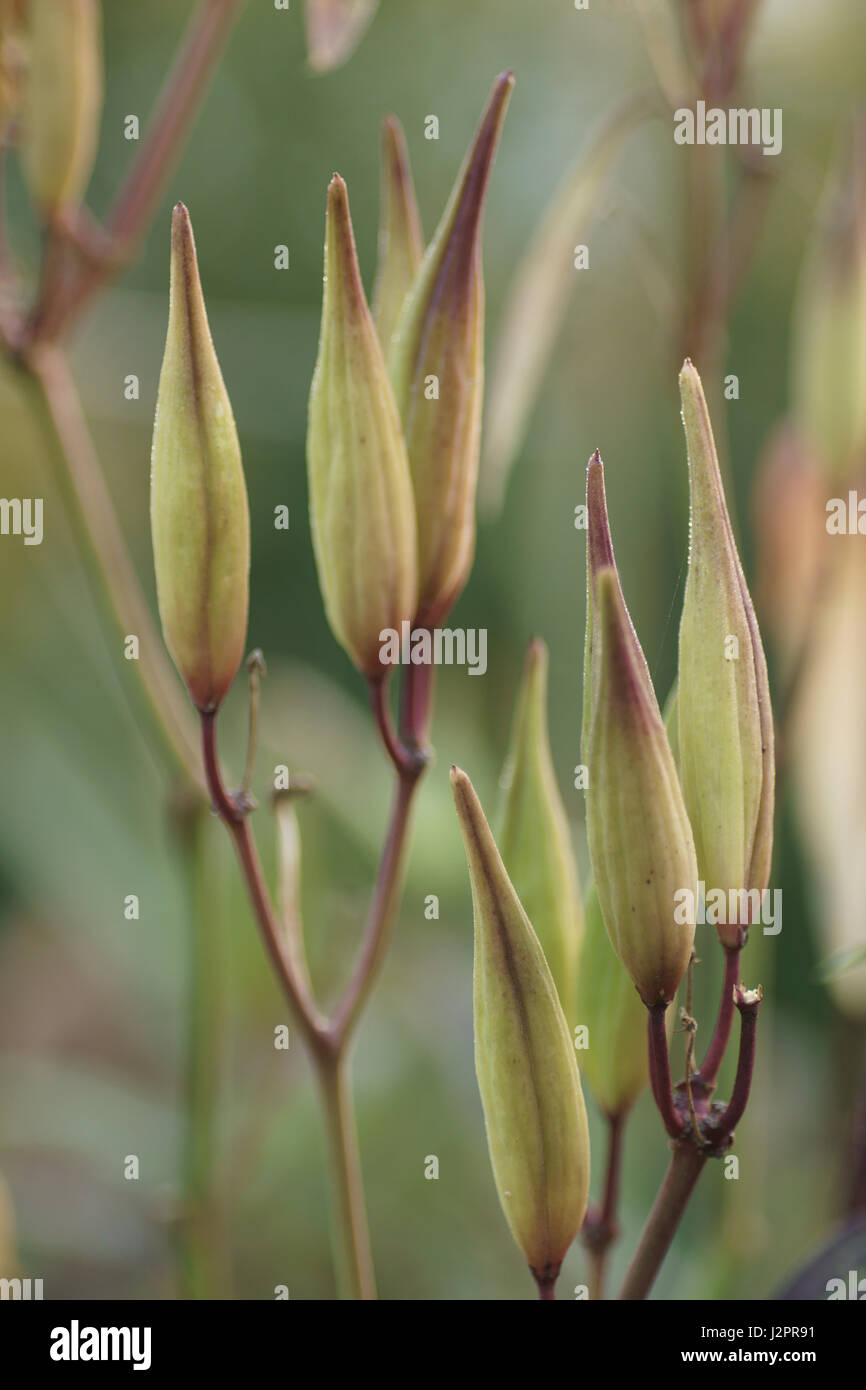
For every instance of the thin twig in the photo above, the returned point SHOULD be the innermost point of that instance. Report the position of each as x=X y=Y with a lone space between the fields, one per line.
x=601 y=1227
x=109 y=567
x=718 y=1043
x=234 y=813
x=660 y=1069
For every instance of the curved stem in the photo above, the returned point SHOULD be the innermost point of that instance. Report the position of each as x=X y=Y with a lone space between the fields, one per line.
x=660 y=1069
x=403 y=758
x=234 y=816
x=719 y=1041
x=686 y=1166
x=108 y=565
x=736 y=1106
x=383 y=910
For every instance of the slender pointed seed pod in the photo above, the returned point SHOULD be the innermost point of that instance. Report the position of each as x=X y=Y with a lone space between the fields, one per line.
x=361 y=510
x=437 y=366
x=533 y=833
x=401 y=243
x=524 y=1056
x=725 y=720
x=640 y=841
x=62 y=99
x=614 y=1064
x=198 y=500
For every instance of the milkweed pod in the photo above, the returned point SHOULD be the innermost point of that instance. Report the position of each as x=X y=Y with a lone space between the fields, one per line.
x=614 y=1064
x=62 y=99
x=361 y=510
x=198 y=501
x=640 y=841
x=401 y=244
x=725 y=720
x=525 y=1060
x=437 y=366
x=533 y=833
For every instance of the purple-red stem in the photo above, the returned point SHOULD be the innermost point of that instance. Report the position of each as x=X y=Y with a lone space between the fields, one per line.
x=234 y=815
x=719 y=1041
x=601 y=1228
x=733 y=1113
x=686 y=1166
x=687 y=1162
x=660 y=1069
x=202 y=47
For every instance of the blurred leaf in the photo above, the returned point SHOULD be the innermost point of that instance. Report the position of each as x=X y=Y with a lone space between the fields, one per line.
x=334 y=30
x=535 y=309
x=831 y=967
x=845 y=1252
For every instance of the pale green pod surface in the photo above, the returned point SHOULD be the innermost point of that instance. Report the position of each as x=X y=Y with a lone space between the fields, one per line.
x=437 y=366
x=401 y=243
x=640 y=841
x=533 y=834
x=63 y=99
x=198 y=501
x=725 y=720
x=361 y=508
x=615 y=1063
x=525 y=1060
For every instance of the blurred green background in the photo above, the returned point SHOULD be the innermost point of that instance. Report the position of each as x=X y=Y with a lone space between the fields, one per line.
x=92 y=1006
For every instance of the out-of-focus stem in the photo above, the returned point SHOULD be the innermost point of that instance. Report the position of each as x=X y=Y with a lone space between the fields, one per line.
x=601 y=1228
x=719 y=1041
x=107 y=561
x=383 y=910
x=203 y=1255
x=354 y=1261
x=184 y=90
x=327 y=1042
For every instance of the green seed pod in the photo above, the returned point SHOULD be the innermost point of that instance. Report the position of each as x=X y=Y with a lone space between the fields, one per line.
x=725 y=720
x=437 y=366
x=401 y=243
x=198 y=500
x=533 y=833
x=829 y=340
x=615 y=1063
x=640 y=841
x=62 y=99
x=524 y=1056
x=361 y=509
